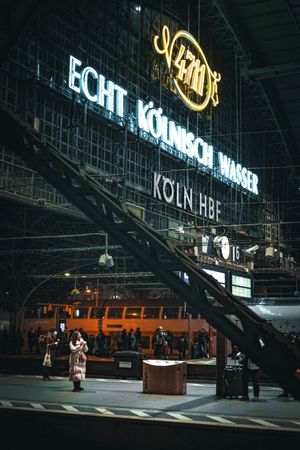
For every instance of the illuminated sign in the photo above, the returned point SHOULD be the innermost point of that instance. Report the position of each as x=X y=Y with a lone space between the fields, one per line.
x=195 y=82
x=173 y=193
x=169 y=135
x=152 y=125
x=219 y=276
x=95 y=88
x=155 y=123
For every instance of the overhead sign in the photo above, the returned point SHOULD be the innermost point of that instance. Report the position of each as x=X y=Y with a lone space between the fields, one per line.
x=152 y=125
x=171 y=192
x=96 y=88
x=194 y=80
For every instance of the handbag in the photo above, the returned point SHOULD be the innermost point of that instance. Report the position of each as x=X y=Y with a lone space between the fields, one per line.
x=47 y=358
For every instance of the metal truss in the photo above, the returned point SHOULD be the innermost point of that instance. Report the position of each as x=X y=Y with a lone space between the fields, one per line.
x=266 y=346
x=226 y=25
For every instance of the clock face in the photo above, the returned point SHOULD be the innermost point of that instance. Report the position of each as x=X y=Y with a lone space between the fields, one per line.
x=222 y=246
x=225 y=247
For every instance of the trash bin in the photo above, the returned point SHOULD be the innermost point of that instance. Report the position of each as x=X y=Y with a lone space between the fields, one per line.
x=128 y=364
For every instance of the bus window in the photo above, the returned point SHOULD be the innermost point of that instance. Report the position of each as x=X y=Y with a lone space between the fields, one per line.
x=170 y=313
x=190 y=311
x=44 y=313
x=115 y=313
x=98 y=313
x=80 y=313
x=64 y=312
x=151 y=313
x=133 y=313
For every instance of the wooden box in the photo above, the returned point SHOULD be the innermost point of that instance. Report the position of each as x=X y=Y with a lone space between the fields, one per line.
x=164 y=377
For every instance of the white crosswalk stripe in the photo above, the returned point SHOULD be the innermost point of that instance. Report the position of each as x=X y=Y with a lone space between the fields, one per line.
x=105 y=411
x=70 y=408
x=139 y=413
x=265 y=423
x=179 y=416
x=6 y=403
x=295 y=422
x=220 y=419
x=37 y=406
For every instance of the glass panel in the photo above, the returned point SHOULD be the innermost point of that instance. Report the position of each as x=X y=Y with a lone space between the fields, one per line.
x=170 y=313
x=44 y=313
x=63 y=314
x=133 y=313
x=80 y=313
x=241 y=286
x=115 y=313
x=241 y=292
x=219 y=276
x=241 y=281
x=98 y=313
x=151 y=313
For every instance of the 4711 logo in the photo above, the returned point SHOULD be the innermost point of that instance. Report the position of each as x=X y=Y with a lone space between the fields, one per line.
x=195 y=82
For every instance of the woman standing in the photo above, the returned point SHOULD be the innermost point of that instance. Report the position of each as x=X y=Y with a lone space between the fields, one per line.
x=48 y=343
x=77 y=360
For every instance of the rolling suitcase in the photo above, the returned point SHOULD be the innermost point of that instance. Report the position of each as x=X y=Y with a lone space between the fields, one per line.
x=233 y=381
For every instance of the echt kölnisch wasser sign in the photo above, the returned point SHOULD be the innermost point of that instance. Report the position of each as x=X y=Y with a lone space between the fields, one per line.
x=194 y=80
x=157 y=127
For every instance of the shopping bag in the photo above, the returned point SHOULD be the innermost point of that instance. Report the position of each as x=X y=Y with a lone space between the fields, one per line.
x=47 y=359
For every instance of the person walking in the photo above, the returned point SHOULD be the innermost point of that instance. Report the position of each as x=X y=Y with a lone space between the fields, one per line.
x=77 y=360
x=182 y=347
x=170 y=341
x=131 y=340
x=203 y=343
x=101 y=341
x=250 y=370
x=138 y=339
x=123 y=340
x=48 y=344
x=160 y=342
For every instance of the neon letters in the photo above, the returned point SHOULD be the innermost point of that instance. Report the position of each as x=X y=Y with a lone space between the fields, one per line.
x=152 y=125
x=96 y=88
x=169 y=135
x=153 y=121
x=195 y=82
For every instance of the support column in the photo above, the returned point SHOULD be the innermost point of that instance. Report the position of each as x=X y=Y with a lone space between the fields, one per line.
x=220 y=363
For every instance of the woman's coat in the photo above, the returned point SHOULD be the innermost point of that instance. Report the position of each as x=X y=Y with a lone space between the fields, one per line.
x=77 y=367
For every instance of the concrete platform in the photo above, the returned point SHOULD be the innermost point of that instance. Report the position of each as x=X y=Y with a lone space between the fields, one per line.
x=126 y=397
x=125 y=404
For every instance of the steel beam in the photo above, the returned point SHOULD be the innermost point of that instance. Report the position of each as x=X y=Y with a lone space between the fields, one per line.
x=274 y=70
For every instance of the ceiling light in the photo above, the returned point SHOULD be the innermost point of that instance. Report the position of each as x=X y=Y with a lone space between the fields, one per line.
x=106 y=260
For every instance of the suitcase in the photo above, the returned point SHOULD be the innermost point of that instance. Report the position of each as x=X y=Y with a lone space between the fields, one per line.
x=233 y=382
